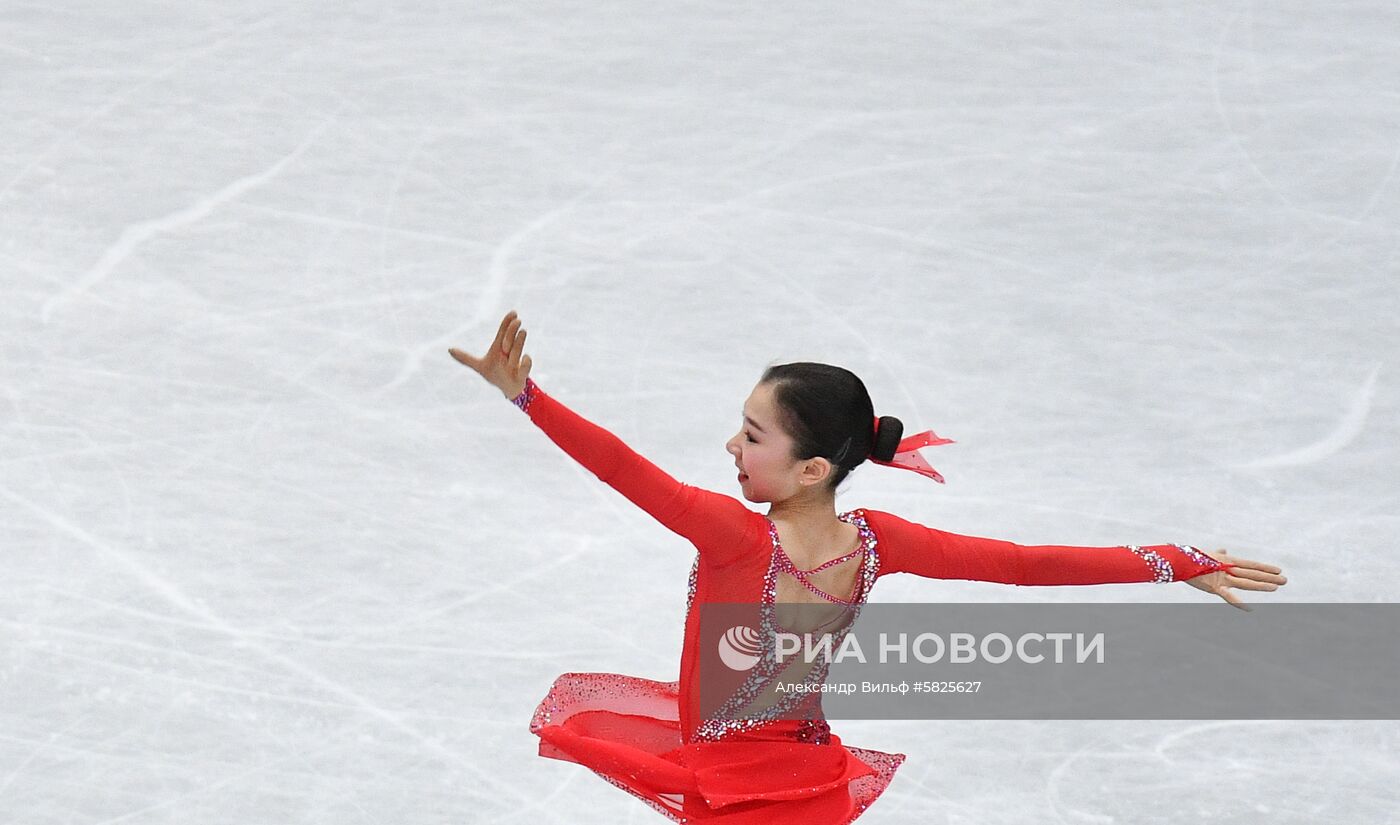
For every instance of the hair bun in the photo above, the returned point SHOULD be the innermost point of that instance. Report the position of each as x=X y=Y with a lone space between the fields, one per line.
x=887 y=438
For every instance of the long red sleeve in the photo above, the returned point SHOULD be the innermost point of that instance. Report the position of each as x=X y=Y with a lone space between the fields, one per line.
x=716 y=524
x=910 y=547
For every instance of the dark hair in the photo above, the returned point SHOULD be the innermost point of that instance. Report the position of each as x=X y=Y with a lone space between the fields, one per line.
x=828 y=413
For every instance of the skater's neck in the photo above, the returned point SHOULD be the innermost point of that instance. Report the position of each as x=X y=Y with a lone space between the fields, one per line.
x=808 y=518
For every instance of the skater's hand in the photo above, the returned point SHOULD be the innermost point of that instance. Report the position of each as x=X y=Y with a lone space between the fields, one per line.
x=1246 y=575
x=503 y=366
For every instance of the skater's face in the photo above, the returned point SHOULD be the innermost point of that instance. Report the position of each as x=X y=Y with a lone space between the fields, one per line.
x=763 y=452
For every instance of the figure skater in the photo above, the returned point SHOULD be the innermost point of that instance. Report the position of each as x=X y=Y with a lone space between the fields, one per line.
x=805 y=427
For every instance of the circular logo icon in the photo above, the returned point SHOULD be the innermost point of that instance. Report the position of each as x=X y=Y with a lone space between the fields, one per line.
x=739 y=648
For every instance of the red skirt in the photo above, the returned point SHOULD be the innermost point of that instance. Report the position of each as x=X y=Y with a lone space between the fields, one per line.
x=627 y=730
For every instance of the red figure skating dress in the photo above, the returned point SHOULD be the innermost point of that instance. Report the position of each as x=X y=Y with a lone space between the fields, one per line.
x=646 y=736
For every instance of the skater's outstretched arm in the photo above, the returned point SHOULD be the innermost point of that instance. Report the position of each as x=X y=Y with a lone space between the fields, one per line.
x=910 y=547
x=713 y=522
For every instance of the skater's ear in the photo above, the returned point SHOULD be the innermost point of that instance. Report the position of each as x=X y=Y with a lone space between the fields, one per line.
x=815 y=471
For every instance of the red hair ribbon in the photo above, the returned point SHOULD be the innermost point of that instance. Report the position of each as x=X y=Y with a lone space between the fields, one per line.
x=906 y=456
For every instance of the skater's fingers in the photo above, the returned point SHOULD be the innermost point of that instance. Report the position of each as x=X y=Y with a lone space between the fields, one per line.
x=512 y=330
x=1258 y=566
x=1250 y=563
x=1224 y=593
x=510 y=336
x=465 y=358
x=1258 y=575
x=516 y=348
x=1250 y=584
x=496 y=345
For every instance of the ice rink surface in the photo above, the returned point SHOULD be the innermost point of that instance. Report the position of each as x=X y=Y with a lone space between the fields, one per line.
x=269 y=555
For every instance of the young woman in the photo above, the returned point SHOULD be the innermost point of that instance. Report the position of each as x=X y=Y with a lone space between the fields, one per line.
x=805 y=427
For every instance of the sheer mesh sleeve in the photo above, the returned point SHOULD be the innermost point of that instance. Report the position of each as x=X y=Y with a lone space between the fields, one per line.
x=910 y=547
x=716 y=524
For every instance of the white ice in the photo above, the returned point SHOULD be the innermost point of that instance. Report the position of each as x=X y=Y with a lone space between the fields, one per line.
x=269 y=555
